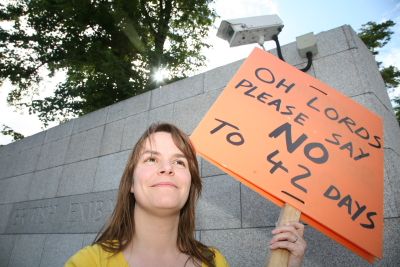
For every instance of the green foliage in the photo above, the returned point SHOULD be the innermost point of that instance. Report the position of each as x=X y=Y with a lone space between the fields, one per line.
x=396 y=108
x=109 y=49
x=391 y=76
x=375 y=36
x=9 y=131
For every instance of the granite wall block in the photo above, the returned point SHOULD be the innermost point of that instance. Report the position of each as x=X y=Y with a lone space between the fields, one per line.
x=179 y=90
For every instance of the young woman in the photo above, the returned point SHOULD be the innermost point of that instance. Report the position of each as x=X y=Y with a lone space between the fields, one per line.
x=153 y=223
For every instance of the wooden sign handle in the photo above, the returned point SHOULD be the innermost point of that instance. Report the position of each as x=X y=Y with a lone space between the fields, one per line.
x=280 y=257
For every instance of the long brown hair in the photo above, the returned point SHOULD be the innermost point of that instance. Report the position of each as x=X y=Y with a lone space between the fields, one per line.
x=120 y=228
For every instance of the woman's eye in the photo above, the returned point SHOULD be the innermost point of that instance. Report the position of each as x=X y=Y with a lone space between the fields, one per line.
x=180 y=163
x=150 y=160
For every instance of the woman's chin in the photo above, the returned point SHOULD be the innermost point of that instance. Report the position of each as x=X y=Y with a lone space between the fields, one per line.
x=168 y=204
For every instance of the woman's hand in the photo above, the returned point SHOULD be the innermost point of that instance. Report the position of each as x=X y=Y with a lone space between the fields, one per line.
x=290 y=237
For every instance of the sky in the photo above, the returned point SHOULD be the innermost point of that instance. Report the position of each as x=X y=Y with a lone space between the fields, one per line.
x=299 y=17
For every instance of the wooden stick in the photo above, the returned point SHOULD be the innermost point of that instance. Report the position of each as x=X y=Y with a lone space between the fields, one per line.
x=280 y=257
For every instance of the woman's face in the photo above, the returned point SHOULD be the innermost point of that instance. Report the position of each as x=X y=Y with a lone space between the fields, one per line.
x=161 y=179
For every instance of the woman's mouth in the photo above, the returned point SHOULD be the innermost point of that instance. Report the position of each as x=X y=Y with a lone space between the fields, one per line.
x=164 y=184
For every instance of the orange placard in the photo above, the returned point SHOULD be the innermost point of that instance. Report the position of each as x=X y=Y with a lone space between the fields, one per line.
x=296 y=140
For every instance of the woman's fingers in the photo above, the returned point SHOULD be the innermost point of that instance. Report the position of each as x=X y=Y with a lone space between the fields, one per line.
x=283 y=244
x=294 y=227
x=284 y=236
x=299 y=228
x=290 y=237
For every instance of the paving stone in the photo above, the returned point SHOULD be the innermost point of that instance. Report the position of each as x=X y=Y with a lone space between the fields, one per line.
x=392 y=183
x=8 y=164
x=77 y=178
x=4 y=185
x=75 y=147
x=189 y=112
x=256 y=210
x=32 y=141
x=85 y=145
x=208 y=169
x=59 y=247
x=176 y=91
x=45 y=183
x=10 y=148
x=129 y=107
x=241 y=247
x=27 y=160
x=199 y=163
x=219 y=204
x=88 y=239
x=389 y=201
x=15 y=189
x=85 y=213
x=392 y=163
x=5 y=213
x=92 y=143
x=109 y=171
x=391 y=127
x=112 y=137
x=340 y=72
x=341 y=41
x=59 y=132
x=351 y=36
x=12 y=167
x=53 y=153
x=6 y=247
x=90 y=120
x=13 y=148
x=219 y=77
x=27 y=251
x=369 y=74
x=134 y=128
x=322 y=251
x=391 y=250
x=162 y=114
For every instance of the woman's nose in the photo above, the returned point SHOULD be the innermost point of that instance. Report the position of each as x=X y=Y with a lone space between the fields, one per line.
x=166 y=168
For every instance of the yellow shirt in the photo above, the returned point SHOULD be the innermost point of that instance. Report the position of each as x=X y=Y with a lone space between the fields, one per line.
x=96 y=256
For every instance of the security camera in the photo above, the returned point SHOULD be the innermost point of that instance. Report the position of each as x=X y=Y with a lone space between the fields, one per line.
x=250 y=30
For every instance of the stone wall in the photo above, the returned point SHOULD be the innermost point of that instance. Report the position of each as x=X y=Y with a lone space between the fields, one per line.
x=57 y=187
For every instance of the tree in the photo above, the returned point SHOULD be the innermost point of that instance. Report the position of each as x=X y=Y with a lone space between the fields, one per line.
x=396 y=108
x=9 y=131
x=109 y=49
x=375 y=36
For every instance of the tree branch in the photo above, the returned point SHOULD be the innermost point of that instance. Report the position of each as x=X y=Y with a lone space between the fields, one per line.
x=147 y=16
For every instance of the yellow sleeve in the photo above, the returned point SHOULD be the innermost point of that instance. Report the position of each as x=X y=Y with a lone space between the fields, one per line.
x=86 y=257
x=96 y=256
x=220 y=260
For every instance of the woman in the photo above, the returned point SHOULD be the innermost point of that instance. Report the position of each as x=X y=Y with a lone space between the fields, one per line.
x=154 y=219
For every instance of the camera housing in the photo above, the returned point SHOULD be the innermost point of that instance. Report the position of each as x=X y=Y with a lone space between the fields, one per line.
x=250 y=30
x=307 y=43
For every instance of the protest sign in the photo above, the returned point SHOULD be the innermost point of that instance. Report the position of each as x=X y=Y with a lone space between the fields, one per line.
x=296 y=140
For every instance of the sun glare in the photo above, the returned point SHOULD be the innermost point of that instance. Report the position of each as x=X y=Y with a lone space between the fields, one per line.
x=160 y=75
